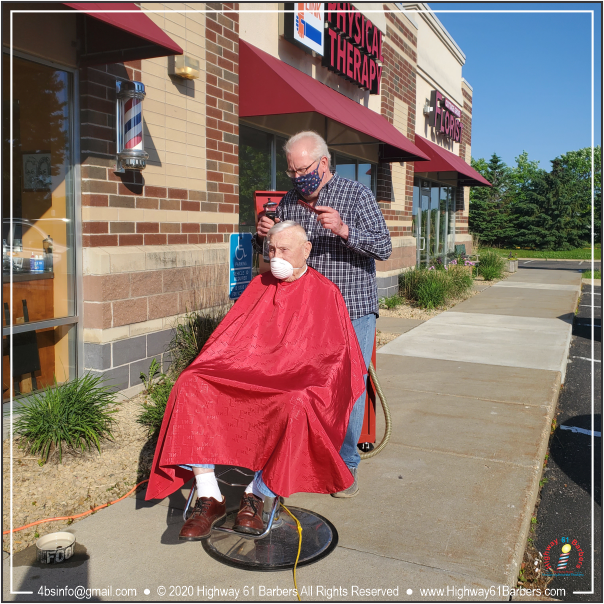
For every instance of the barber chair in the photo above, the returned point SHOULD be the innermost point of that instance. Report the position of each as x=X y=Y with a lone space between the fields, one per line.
x=277 y=547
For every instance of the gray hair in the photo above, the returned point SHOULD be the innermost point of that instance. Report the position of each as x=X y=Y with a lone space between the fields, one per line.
x=287 y=224
x=318 y=149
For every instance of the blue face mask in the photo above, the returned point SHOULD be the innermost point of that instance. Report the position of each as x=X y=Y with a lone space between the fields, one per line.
x=307 y=184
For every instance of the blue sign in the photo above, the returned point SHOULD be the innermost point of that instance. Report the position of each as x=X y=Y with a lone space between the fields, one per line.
x=240 y=263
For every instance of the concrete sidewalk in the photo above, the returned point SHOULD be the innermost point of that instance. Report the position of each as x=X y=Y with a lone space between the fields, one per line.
x=447 y=504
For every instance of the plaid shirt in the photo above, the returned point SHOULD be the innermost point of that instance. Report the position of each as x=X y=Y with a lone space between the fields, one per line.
x=349 y=264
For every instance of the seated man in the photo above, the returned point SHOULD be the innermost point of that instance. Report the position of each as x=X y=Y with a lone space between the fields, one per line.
x=271 y=390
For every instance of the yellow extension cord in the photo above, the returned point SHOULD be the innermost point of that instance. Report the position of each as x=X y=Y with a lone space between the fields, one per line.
x=299 y=549
x=387 y=433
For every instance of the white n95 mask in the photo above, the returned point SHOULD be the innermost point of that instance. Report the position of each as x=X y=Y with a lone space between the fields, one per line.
x=281 y=269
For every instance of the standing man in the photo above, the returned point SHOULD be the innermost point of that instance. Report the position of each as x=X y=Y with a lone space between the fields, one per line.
x=348 y=233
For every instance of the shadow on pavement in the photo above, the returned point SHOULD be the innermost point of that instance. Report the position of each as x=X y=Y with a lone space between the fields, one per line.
x=572 y=453
x=53 y=576
x=540 y=267
x=582 y=328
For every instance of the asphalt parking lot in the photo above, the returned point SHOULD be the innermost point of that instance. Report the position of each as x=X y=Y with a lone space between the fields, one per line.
x=571 y=499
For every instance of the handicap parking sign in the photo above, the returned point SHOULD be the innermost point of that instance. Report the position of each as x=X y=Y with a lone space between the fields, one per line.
x=240 y=263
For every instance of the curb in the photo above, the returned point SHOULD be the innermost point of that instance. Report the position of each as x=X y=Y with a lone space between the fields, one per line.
x=535 y=488
x=562 y=259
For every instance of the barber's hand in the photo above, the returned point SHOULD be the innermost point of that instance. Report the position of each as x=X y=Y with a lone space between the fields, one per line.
x=330 y=219
x=264 y=225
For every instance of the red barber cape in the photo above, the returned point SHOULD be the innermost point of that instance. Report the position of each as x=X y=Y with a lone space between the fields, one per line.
x=271 y=390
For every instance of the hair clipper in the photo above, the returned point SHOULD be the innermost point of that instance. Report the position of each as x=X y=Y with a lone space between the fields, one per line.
x=270 y=211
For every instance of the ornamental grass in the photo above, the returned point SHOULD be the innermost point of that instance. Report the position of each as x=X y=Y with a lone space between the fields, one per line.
x=76 y=415
x=491 y=265
x=435 y=286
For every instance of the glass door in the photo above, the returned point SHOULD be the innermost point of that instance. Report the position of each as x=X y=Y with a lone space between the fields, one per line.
x=433 y=221
x=423 y=226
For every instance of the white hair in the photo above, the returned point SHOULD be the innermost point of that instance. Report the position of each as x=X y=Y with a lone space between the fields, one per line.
x=287 y=224
x=318 y=149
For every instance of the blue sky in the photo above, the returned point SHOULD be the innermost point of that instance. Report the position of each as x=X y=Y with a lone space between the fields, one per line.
x=531 y=75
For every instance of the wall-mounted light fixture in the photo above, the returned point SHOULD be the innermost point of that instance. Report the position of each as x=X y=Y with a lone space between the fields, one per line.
x=183 y=66
x=131 y=154
x=427 y=108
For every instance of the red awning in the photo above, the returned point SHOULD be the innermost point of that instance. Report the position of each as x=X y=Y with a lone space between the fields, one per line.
x=442 y=160
x=115 y=37
x=269 y=86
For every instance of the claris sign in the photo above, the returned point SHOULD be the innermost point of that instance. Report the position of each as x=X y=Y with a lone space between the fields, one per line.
x=353 y=46
x=445 y=117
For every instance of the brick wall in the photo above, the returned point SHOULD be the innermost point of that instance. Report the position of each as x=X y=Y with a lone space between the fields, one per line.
x=398 y=95
x=222 y=100
x=155 y=243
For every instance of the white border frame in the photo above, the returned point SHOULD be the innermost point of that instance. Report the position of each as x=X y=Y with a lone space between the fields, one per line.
x=228 y=11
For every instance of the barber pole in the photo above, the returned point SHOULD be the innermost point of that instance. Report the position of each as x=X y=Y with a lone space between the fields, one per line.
x=131 y=153
x=133 y=130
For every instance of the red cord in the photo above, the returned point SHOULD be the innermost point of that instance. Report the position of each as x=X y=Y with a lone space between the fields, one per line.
x=100 y=507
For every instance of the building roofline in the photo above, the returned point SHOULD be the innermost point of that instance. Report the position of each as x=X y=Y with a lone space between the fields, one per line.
x=410 y=8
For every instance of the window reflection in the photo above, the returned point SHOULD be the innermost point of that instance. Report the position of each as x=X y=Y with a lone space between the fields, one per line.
x=346 y=167
x=39 y=241
x=254 y=173
x=38 y=244
x=282 y=180
x=367 y=174
x=39 y=357
x=433 y=221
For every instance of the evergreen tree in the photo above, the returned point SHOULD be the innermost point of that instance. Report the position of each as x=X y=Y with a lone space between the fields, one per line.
x=549 y=211
x=489 y=209
x=577 y=167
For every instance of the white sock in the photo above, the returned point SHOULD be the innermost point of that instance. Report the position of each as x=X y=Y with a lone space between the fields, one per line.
x=251 y=488
x=207 y=486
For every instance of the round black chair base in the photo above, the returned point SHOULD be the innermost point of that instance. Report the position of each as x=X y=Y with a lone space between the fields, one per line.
x=278 y=550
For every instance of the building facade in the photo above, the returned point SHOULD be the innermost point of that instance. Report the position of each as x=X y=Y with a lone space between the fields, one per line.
x=103 y=262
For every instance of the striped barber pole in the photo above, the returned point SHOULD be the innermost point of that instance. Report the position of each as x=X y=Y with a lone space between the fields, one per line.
x=563 y=561
x=133 y=128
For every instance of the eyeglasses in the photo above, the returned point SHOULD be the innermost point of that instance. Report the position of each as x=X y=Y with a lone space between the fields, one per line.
x=300 y=171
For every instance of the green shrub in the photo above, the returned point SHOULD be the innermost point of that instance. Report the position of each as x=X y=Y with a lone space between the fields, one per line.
x=190 y=337
x=391 y=302
x=75 y=415
x=409 y=281
x=432 y=293
x=490 y=265
x=432 y=287
x=459 y=280
x=158 y=393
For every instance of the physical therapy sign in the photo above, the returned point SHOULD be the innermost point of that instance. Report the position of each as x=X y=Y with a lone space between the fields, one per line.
x=445 y=117
x=349 y=42
x=353 y=46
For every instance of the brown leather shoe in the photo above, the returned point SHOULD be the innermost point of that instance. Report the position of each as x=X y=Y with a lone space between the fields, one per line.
x=249 y=518
x=207 y=513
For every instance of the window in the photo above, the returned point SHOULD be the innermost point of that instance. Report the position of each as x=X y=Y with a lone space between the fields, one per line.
x=38 y=243
x=433 y=220
x=262 y=166
x=354 y=169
